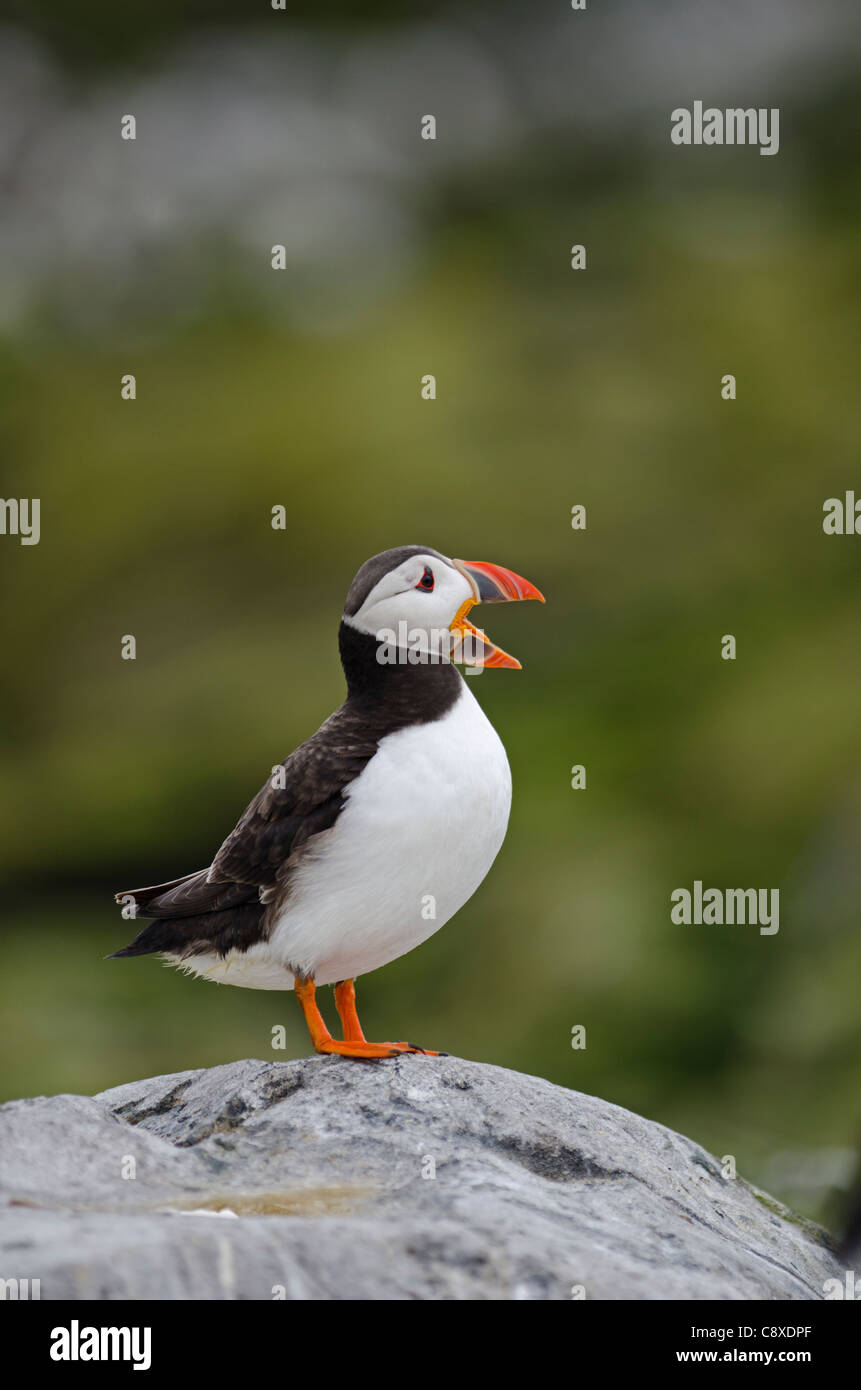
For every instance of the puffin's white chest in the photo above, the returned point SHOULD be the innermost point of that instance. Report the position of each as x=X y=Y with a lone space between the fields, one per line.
x=423 y=823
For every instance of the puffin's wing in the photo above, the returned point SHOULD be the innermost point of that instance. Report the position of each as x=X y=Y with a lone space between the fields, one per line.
x=222 y=908
x=303 y=797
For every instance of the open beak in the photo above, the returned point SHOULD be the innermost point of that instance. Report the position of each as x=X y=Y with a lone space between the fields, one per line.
x=489 y=584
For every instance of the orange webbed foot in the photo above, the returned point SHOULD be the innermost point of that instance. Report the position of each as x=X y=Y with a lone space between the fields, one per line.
x=354 y=1043
x=370 y=1050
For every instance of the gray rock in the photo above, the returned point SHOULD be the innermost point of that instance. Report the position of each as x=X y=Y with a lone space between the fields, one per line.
x=415 y=1178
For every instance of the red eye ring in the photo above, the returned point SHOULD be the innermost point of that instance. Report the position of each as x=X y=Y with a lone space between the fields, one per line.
x=427 y=580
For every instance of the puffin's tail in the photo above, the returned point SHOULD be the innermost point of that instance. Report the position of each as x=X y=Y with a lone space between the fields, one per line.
x=155 y=936
x=231 y=930
x=193 y=915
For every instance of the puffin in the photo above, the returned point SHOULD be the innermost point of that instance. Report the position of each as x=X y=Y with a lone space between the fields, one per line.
x=373 y=833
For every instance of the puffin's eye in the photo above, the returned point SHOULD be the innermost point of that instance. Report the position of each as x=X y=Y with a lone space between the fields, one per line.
x=426 y=582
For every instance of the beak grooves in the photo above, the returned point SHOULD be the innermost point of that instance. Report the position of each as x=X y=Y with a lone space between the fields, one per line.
x=493 y=584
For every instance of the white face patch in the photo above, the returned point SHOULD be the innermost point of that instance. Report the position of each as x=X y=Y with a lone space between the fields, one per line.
x=402 y=609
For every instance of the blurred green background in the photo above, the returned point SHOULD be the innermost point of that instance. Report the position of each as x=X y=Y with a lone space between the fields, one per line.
x=555 y=387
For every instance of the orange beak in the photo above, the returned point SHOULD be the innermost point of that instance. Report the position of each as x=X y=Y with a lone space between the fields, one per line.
x=490 y=584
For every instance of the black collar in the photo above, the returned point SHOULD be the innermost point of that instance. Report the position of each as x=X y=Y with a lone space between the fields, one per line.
x=394 y=694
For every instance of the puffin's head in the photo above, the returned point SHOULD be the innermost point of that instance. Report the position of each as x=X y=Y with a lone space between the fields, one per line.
x=415 y=599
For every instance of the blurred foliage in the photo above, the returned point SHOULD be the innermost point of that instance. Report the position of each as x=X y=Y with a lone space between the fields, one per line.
x=704 y=517
x=97 y=33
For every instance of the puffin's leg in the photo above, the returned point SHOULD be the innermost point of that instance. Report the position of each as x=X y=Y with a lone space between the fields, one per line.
x=345 y=1003
x=322 y=1039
